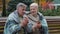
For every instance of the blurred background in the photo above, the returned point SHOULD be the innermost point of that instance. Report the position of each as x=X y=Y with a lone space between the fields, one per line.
x=49 y=8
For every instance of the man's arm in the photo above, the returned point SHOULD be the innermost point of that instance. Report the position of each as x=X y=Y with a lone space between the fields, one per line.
x=13 y=26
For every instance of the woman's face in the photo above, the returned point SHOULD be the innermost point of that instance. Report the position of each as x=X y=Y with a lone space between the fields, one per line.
x=33 y=10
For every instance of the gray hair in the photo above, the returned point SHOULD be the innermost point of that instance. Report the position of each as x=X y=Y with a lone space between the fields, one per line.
x=20 y=5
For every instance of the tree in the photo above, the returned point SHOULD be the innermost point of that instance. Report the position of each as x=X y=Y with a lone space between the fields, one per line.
x=4 y=10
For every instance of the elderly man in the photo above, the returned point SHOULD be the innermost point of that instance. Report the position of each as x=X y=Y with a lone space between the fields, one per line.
x=15 y=23
x=37 y=23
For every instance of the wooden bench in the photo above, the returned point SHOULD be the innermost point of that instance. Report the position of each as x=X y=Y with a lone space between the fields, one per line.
x=2 y=23
x=53 y=24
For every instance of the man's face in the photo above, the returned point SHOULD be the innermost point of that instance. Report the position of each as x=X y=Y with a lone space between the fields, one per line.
x=21 y=10
x=33 y=10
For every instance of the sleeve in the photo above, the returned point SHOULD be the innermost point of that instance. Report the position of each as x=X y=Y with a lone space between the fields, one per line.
x=29 y=28
x=44 y=25
x=12 y=26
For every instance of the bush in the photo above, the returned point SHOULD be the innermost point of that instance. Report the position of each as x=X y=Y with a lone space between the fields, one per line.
x=48 y=12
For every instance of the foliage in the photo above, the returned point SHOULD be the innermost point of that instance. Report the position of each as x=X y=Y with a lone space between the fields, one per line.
x=48 y=12
x=12 y=5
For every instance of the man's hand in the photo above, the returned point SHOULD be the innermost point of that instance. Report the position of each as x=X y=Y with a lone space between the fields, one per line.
x=24 y=21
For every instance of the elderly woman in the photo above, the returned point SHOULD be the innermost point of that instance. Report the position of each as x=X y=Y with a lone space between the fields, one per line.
x=37 y=23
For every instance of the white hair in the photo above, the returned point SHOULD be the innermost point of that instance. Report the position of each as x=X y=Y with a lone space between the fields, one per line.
x=34 y=4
